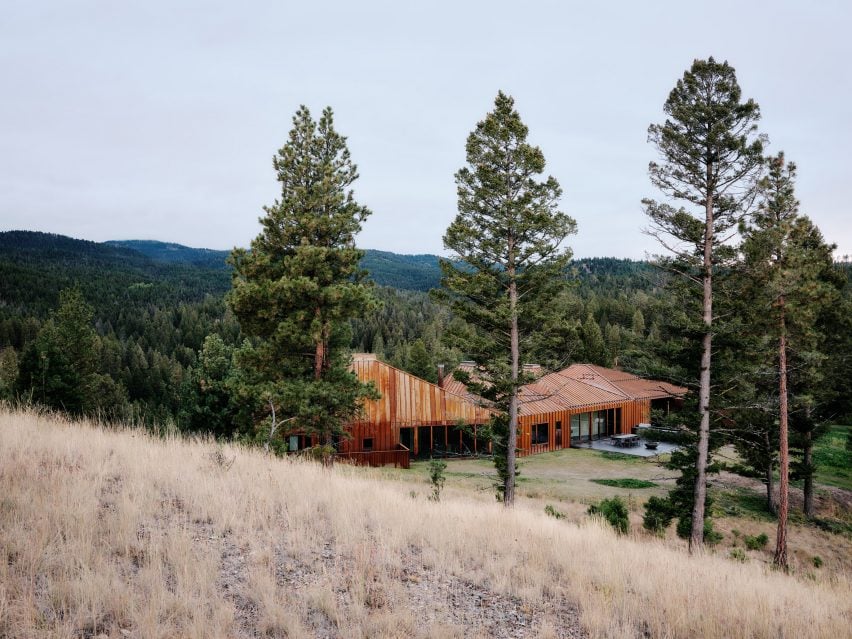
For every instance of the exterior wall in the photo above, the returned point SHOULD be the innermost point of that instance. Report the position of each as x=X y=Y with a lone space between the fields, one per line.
x=633 y=412
x=406 y=402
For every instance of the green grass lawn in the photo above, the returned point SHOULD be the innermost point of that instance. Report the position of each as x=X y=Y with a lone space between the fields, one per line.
x=560 y=476
x=833 y=461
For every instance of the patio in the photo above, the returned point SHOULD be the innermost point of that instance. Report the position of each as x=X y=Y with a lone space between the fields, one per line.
x=638 y=451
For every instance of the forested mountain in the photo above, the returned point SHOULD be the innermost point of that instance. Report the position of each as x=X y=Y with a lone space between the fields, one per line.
x=34 y=267
x=174 y=253
x=410 y=272
x=153 y=305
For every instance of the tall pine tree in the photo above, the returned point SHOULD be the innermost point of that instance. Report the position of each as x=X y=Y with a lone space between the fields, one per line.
x=710 y=157
x=785 y=260
x=295 y=291
x=509 y=262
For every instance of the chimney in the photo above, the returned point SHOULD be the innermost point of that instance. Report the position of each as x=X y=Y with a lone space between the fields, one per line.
x=440 y=375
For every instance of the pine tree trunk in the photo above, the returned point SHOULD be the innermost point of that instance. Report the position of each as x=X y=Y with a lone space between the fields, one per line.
x=809 y=476
x=784 y=462
x=770 y=497
x=512 y=443
x=319 y=365
x=696 y=538
x=319 y=354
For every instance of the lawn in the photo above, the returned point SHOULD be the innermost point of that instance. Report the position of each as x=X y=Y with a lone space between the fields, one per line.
x=561 y=476
x=832 y=459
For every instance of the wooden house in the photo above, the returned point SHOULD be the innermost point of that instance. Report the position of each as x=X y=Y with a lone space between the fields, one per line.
x=581 y=403
x=413 y=417
x=416 y=418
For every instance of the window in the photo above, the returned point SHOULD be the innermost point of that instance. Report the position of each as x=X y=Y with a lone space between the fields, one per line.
x=367 y=445
x=599 y=423
x=294 y=443
x=540 y=433
x=575 y=427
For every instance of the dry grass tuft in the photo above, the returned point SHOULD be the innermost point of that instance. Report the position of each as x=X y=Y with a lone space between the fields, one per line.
x=108 y=531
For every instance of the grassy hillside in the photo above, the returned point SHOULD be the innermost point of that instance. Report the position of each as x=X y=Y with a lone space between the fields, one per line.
x=111 y=532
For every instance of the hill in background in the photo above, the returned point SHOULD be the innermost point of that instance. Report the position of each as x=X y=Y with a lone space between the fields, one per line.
x=35 y=266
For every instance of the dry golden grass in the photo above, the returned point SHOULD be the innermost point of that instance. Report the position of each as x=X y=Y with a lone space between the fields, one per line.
x=115 y=533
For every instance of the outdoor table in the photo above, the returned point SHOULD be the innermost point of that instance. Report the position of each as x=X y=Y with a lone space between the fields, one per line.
x=625 y=440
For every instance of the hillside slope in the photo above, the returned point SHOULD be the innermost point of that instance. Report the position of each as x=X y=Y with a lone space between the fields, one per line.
x=116 y=533
x=34 y=267
x=413 y=272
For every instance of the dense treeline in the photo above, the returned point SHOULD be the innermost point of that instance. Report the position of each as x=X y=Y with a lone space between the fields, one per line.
x=151 y=317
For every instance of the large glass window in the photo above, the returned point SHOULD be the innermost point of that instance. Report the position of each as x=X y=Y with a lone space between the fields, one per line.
x=540 y=433
x=599 y=424
x=584 y=426
x=575 y=427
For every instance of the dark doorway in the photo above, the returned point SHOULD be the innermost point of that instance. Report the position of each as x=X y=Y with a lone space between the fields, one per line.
x=439 y=440
x=406 y=438
x=424 y=442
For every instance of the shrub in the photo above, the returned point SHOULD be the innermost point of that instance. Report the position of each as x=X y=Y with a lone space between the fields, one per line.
x=738 y=554
x=436 y=477
x=711 y=535
x=614 y=511
x=625 y=483
x=756 y=542
x=658 y=515
x=556 y=514
x=817 y=561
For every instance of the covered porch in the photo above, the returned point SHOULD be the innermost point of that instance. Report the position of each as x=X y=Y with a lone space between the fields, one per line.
x=640 y=450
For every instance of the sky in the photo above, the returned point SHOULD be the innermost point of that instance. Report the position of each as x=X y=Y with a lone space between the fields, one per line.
x=158 y=119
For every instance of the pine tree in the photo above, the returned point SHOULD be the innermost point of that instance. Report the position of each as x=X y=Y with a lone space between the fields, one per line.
x=420 y=363
x=594 y=347
x=295 y=291
x=710 y=159
x=208 y=407
x=509 y=262
x=58 y=368
x=637 y=324
x=785 y=258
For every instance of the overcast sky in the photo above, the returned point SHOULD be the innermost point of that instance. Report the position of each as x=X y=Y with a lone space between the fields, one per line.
x=158 y=120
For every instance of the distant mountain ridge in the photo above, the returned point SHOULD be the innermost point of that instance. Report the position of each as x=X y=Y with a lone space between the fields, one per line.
x=174 y=253
x=420 y=272
x=34 y=263
x=408 y=272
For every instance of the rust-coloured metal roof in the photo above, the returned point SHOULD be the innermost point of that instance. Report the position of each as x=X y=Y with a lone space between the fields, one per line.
x=638 y=387
x=452 y=385
x=578 y=386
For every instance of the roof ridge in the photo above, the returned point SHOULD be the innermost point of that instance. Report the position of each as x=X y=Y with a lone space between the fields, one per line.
x=425 y=381
x=603 y=381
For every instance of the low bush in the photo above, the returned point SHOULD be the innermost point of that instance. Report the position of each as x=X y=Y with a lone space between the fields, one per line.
x=436 y=478
x=625 y=483
x=756 y=542
x=556 y=514
x=738 y=554
x=658 y=515
x=614 y=511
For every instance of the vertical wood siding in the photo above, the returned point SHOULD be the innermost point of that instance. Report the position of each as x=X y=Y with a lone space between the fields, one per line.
x=633 y=412
x=407 y=401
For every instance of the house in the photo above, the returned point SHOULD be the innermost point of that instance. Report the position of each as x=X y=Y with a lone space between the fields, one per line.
x=412 y=416
x=581 y=403
x=575 y=405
